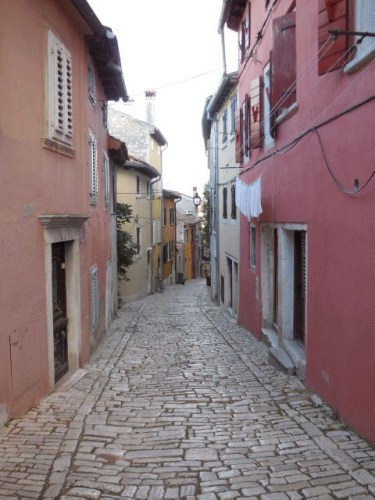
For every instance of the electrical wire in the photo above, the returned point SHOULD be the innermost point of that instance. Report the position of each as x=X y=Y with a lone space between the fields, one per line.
x=277 y=106
x=343 y=56
x=289 y=146
x=356 y=188
x=179 y=82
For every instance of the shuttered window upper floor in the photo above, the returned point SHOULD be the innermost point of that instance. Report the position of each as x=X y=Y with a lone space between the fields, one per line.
x=60 y=91
x=348 y=51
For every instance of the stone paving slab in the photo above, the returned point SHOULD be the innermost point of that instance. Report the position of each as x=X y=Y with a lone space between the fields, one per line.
x=179 y=401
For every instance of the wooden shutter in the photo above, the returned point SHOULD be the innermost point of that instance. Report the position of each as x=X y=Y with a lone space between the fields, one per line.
x=60 y=90
x=92 y=85
x=106 y=178
x=93 y=161
x=238 y=139
x=283 y=71
x=94 y=298
x=225 y=196
x=256 y=114
x=333 y=15
x=272 y=111
x=247 y=127
x=233 y=213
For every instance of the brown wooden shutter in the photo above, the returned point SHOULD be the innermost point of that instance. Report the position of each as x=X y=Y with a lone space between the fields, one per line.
x=256 y=114
x=247 y=134
x=283 y=71
x=272 y=112
x=333 y=15
x=238 y=134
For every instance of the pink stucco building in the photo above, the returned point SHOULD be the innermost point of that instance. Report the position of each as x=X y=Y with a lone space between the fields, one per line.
x=305 y=141
x=59 y=67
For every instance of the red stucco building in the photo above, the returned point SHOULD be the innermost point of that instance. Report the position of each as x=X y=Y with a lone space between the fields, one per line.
x=59 y=67
x=304 y=137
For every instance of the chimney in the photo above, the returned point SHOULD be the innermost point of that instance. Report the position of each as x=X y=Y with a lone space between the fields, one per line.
x=150 y=106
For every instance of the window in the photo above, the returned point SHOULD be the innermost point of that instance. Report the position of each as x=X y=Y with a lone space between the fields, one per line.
x=148 y=189
x=171 y=216
x=186 y=234
x=238 y=138
x=253 y=259
x=283 y=60
x=138 y=180
x=364 y=20
x=244 y=33
x=105 y=114
x=256 y=125
x=225 y=195
x=246 y=128
x=92 y=84
x=164 y=216
x=224 y=132
x=138 y=239
x=267 y=120
x=106 y=178
x=233 y=212
x=60 y=99
x=233 y=109
x=93 y=167
x=222 y=289
x=95 y=299
x=247 y=26
x=332 y=16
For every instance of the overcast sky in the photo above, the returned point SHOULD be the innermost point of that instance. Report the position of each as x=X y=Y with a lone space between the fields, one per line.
x=164 y=46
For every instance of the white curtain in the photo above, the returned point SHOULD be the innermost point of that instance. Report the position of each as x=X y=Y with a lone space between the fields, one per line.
x=248 y=198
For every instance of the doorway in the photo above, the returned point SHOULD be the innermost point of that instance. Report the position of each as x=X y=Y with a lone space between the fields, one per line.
x=60 y=320
x=299 y=286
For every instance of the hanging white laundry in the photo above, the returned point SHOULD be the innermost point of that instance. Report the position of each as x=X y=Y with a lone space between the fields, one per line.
x=248 y=198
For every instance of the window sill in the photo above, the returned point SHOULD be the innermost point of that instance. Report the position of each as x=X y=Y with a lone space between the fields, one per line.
x=57 y=147
x=225 y=144
x=287 y=113
x=360 y=60
x=233 y=222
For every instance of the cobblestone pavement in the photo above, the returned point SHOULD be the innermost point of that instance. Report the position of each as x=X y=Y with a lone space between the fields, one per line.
x=180 y=402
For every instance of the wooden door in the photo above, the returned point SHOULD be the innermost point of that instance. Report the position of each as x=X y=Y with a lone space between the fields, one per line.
x=299 y=285
x=60 y=321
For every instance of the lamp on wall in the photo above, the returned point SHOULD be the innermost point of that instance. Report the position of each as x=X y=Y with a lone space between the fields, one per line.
x=196 y=199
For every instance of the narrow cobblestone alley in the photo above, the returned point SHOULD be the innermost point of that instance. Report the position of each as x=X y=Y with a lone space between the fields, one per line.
x=180 y=402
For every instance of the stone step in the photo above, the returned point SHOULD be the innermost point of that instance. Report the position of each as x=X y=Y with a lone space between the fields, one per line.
x=281 y=360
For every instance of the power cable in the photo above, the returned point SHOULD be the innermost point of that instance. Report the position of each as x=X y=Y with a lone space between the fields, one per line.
x=179 y=82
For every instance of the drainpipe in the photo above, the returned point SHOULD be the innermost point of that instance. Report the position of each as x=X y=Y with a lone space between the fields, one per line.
x=175 y=236
x=162 y=215
x=221 y=31
x=152 y=232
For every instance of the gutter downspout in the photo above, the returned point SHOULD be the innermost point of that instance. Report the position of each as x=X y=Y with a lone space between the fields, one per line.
x=162 y=216
x=175 y=236
x=152 y=233
x=221 y=31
